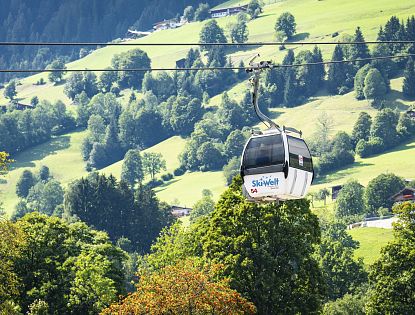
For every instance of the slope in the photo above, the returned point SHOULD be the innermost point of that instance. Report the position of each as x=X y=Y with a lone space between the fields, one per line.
x=338 y=16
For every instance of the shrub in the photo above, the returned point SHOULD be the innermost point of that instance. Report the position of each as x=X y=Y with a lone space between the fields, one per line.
x=367 y=148
x=154 y=183
x=179 y=171
x=167 y=177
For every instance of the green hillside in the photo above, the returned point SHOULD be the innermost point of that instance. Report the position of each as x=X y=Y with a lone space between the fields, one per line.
x=62 y=155
x=371 y=241
x=170 y=149
x=338 y=16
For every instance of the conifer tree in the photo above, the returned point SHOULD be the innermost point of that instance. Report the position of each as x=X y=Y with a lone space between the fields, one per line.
x=410 y=28
x=318 y=70
x=336 y=73
x=289 y=58
x=290 y=88
x=359 y=51
x=408 y=87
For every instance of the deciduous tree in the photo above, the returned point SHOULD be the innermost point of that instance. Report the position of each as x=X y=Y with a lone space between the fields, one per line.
x=361 y=128
x=56 y=76
x=10 y=90
x=25 y=182
x=286 y=24
x=375 y=87
x=350 y=201
x=132 y=168
x=153 y=163
x=267 y=250
x=202 y=12
x=184 y=288
x=211 y=33
x=379 y=191
x=408 y=87
x=393 y=274
x=343 y=274
x=254 y=9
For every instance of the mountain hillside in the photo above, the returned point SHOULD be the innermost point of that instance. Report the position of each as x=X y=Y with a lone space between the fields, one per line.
x=338 y=16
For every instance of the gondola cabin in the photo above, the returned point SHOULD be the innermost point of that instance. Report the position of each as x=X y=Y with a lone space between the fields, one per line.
x=276 y=166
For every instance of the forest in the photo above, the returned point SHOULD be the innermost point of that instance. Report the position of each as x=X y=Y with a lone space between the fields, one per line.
x=106 y=244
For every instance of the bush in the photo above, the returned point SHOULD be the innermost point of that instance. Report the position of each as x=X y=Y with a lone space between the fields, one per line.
x=383 y=212
x=179 y=171
x=167 y=177
x=154 y=183
x=367 y=148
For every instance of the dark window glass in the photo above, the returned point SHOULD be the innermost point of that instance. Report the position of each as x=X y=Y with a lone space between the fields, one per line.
x=299 y=154
x=297 y=146
x=264 y=151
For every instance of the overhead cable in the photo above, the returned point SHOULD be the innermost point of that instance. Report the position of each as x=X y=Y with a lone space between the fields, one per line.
x=207 y=68
x=404 y=42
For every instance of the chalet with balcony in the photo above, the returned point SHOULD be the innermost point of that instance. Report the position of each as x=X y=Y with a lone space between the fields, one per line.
x=406 y=194
x=178 y=211
x=217 y=13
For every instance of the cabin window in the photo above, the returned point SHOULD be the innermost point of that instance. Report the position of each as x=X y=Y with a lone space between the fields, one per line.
x=264 y=151
x=300 y=156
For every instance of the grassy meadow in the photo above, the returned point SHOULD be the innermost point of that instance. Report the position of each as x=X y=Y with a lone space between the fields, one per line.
x=371 y=241
x=62 y=154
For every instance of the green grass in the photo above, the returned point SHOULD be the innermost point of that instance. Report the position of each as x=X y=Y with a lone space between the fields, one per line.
x=187 y=189
x=400 y=161
x=338 y=16
x=371 y=241
x=62 y=155
x=170 y=149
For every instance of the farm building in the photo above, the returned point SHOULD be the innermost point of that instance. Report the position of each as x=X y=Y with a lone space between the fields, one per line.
x=406 y=194
x=335 y=191
x=181 y=63
x=131 y=34
x=178 y=211
x=18 y=106
x=217 y=13
x=166 y=24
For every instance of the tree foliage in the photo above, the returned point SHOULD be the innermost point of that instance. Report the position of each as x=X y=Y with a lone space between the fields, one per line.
x=393 y=274
x=267 y=251
x=286 y=24
x=47 y=268
x=25 y=182
x=202 y=12
x=56 y=76
x=380 y=189
x=117 y=209
x=408 y=87
x=132 y=59
x=202 y=207
x=374 y=86
x=211 y=33
x=10 y=90
x=184 y=288
x=350 y=202
x=184 y=113
x=254 y=9
x=4 y=162
x=361 y=128
x=343 y=274
x=132 y=168
x=153 y=163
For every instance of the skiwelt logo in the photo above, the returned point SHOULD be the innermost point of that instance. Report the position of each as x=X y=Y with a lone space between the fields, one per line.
x=266 y=181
